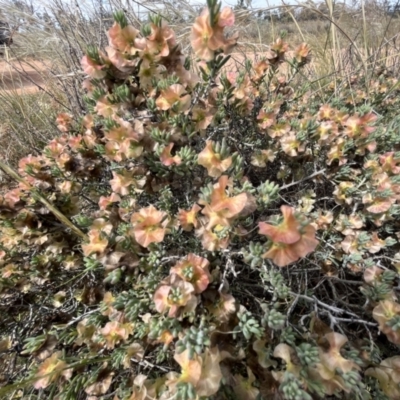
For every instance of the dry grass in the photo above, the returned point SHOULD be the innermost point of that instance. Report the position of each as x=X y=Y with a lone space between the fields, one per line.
x=27 y=114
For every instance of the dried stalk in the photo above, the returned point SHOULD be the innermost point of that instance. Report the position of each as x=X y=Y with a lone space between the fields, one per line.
x=36 y=194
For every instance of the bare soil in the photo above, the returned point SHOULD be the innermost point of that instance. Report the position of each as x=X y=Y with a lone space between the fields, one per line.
x=22 y=76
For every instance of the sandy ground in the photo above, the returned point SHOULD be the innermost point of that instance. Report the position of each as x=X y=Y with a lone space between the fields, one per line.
x=21 y=77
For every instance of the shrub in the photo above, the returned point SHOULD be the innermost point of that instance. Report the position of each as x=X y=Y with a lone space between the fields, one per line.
x=205 y=234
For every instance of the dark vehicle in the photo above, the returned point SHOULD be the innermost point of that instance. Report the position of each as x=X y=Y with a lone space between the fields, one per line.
x=5 y=34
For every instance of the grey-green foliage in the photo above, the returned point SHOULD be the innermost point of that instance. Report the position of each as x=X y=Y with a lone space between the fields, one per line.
x=267 y=193
x=288 y=336
x=248 y=325
x=114 y=276
x=194 y=341
x=377 y=292
x=354 y=383
x=154 y=258
x=205 y=192
x=132 y=304
x=186 y=391
x=388 y=276
x=394 y=322
x=33 y=344
x=120 y=18
x=83 y=220
x=117 y=357
x=291 y=388
x=273 y=319
x=222 y=149
x=73 y=388
x=253 y=255
x=162 y=324
x=161 y=137
x=354 y=355
x=121 y=94
x=275 y=280
x=308 y=354
x=236 y=168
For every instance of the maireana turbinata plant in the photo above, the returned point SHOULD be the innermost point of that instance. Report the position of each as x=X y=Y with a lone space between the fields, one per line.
x=203 y=234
